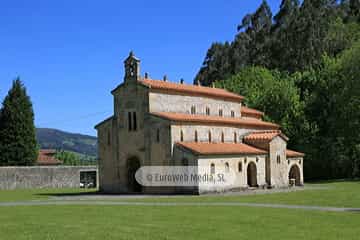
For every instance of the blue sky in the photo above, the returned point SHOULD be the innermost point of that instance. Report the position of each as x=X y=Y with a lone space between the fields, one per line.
x=70 y=54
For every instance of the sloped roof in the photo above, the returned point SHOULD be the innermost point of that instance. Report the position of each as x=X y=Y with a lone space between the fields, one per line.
x=46 y=157
x=291 y=153
x=250 y=112
x=264 y=136
x=205 y=148
x=191 y=89
x=182 y=117
x=102 y=122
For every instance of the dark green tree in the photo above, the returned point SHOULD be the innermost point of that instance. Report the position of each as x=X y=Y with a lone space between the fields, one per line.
x=308 y=31
x=354 y=10
x=294 y=40
x=282 y=36
x=258 y=27
x=287 y=13
x=18 y=144
x=275 y=94
x=216 y=64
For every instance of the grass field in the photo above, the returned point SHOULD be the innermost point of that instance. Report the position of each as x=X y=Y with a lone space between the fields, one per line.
x=335 y=194
x=36 y=194
x=186 y=222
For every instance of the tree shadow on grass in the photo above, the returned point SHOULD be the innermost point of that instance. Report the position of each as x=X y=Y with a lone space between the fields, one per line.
x=68 y=194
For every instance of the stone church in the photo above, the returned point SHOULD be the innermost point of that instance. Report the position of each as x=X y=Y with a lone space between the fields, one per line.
x=163 y=123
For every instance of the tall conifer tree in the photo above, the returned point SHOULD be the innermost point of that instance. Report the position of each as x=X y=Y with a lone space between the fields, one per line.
x=18 y=144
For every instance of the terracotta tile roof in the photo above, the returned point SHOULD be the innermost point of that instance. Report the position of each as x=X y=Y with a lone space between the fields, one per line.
x=264 y=136
x=192 y=89
x=204 y=148
x=182 y=117
x=250 y=112
x=46 y=157
x=291 y=153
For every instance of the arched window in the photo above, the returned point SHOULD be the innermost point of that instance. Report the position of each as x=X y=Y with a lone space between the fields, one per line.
x=196 y=136
x=207 y=111
x=232 y=113
x=227 y=168
x=257 y=159
x=212 y=168
x=245 y=160
x=158 y=135
x=181 y=136
x=134 y=121
x=220 y=112
x=129 y=121
x=235 y=137
x=108 y=138
x=209 y=136
x=240 y=166
x=222 y=137
x=278 y=159
x=193 y=109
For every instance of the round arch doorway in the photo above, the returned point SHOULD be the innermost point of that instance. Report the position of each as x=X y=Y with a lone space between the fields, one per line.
x=294 y=175
x=133 y=164
x=252 y=175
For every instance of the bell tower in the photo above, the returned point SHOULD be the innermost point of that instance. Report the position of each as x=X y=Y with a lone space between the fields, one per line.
x=132 y=68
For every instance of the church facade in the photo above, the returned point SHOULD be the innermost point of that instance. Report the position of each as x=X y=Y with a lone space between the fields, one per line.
x=162 y=123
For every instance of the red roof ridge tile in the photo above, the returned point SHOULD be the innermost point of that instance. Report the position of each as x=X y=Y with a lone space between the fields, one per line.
x=264 y=136
x=266 y=131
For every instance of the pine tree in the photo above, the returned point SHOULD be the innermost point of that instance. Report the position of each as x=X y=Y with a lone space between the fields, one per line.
x=18 y=144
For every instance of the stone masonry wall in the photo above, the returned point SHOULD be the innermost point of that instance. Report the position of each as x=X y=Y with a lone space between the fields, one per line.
x=42 y=177
x=278 y=170
x=162 y=102
x=203 y=133
x=240 y=176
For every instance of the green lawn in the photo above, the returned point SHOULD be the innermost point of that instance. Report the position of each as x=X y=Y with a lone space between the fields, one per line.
x=335 y=194
x=176 y=222
x=36 y=194
x=185 y=222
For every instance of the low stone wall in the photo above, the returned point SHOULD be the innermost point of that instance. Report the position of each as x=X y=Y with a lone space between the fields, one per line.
x=43 y=177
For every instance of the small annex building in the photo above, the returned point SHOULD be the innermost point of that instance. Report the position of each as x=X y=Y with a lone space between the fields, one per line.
x=46 y=157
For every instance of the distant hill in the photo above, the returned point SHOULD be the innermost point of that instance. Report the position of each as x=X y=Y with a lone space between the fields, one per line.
x=56 y=139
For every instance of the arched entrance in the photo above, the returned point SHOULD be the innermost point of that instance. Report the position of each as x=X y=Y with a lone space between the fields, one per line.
x=133 y=164
x=252 y=175
x=294 y=175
